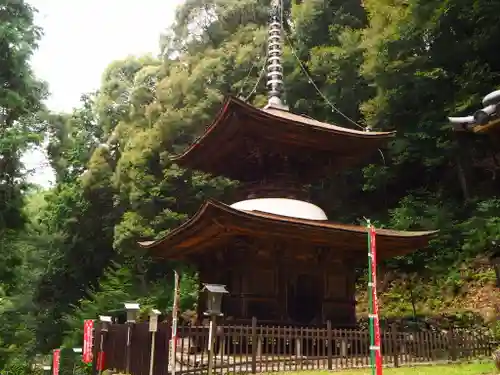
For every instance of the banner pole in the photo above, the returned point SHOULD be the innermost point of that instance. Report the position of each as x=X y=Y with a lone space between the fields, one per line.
x=375 y=342
x=370 y=300
x=175 y=309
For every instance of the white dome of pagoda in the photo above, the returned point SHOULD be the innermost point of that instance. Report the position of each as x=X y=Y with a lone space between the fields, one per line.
x=282 y=206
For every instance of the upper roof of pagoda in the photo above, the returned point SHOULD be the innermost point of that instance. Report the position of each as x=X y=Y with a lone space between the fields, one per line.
x=216 y=223
x=246 y=143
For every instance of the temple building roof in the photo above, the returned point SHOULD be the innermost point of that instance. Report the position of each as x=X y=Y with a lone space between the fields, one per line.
x=215 y=223
x=246 y=143
x=483 y=121
x=491 y=128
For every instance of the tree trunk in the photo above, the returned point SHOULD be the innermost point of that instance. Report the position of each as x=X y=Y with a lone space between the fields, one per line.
x=496 y=358
x=412 y=299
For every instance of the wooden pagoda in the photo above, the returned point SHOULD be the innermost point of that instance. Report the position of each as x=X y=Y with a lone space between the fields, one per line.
x=279 y=256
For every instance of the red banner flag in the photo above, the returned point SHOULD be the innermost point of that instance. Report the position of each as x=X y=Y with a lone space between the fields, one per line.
x=376 y=323
x=55 y=361
x=100 y=361
x=88 y=336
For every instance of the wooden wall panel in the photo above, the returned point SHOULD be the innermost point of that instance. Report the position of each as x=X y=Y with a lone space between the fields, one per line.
x=263 y=309
x=258 y=274
x=336 y=286
x=260 y=282
x=231 y=306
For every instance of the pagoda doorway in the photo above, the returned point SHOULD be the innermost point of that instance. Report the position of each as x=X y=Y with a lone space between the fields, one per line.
x=304 y=298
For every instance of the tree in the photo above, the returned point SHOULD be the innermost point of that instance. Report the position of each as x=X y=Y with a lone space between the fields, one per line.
x=20 y=101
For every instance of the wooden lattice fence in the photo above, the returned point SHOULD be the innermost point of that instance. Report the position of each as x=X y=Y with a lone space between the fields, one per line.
x=255 y=348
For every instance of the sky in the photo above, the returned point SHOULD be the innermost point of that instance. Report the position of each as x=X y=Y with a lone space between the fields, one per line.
x=81 y=37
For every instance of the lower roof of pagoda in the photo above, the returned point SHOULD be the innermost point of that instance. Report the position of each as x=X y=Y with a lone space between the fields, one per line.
x=246 y=143
x=216 y=223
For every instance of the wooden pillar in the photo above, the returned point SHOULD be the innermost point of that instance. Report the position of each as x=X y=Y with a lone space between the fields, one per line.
x=255 y=344
x=280 y=284
x=330 y=343
x=240 y=258
x=324 y=283
x=246 y=273
x=322 y=259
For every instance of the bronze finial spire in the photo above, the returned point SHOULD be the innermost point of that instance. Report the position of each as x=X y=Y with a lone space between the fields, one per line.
x=275 y=51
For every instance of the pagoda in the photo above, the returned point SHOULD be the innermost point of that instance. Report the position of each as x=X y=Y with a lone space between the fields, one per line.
x=282 y=260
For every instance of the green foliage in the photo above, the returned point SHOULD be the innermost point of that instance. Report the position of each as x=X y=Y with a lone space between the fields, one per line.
x=482 y=230
x=72 y=139
x=119 y=285
x=496 y=330
x=19 y=367
x=20 y=101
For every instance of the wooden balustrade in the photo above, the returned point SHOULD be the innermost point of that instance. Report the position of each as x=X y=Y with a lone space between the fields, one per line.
x=260 y=348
